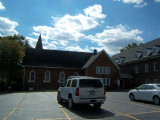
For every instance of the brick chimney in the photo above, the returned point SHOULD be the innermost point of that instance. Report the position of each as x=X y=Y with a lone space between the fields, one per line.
x=95 y=51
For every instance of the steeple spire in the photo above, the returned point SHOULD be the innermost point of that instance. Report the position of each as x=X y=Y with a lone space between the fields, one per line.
x=39 y=43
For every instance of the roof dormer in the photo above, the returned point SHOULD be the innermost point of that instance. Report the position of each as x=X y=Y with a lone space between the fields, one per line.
x=137 y=55
x=121 y=59
x=147 y=52
x=155 y=49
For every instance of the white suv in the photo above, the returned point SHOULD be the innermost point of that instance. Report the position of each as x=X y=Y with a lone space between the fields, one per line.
x=82 y=90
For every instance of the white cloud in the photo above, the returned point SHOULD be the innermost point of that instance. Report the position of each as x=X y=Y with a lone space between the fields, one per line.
x=7 y=27
x=77 y=48
x=94 y=11
x=1 y=6
x=113 y=39
x=70 y=28
x=137 y=3
x=157 y=0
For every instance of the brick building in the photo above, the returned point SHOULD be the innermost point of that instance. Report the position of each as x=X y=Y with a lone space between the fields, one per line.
x=139 y=65
x=47 y=69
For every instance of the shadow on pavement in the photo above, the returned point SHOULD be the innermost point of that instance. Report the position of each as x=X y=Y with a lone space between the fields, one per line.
x=88 y=111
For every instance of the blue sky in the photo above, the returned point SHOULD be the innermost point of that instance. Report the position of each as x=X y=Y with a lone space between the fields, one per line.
x=82 y=25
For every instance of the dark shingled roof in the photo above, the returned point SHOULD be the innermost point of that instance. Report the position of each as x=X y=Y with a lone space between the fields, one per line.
x=55 y=58
x=129 y=55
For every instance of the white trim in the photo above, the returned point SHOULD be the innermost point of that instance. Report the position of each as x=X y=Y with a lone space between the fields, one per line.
x=146 y=67
x=63 y=79
x=155 y=70
x=30 y=76
x=107 y=80
x=45 y=81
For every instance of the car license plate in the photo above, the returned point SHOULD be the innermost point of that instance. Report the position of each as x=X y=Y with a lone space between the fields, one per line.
x=92 y=93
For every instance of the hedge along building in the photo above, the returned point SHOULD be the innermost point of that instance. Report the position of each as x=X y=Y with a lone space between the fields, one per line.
x=47 y=69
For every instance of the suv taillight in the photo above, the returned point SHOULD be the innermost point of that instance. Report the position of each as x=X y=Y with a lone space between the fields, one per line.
x=77 y=91
x=104 y=91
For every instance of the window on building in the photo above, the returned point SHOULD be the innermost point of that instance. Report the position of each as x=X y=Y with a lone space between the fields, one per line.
x=105 y=81
x=145 y=53
x=102 y=70
x=137 y=69
x=154 y=49
x=146 y=67
x=32 y=76
x=156 y=66
x=135 y=56
x=62 y=77
x=47 y=77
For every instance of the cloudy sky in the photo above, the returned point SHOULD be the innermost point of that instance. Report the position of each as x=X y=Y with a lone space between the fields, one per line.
x=82 y=25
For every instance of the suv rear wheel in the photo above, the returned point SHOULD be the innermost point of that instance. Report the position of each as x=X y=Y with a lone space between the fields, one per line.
x=70 y=102
x=97 y=105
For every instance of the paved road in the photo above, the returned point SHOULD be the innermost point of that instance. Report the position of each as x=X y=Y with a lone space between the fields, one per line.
x=44 y=106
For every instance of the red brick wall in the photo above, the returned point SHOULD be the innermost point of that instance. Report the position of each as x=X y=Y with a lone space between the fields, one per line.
x=104 y=61
x=142 y=75
x=40 y=76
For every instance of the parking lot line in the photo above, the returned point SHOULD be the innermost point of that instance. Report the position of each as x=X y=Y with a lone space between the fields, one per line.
x=144 y=113
x=138 y=104
x=119 y=113
x=13 y=110
x=64 y=112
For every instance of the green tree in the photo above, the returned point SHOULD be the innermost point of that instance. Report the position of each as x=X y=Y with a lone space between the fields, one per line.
x=128 y=47
x=12 y=51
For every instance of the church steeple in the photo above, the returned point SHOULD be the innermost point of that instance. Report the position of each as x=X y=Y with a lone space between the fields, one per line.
x=39 y=43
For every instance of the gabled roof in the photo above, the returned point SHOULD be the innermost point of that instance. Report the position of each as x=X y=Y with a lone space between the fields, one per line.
x=55 y=58
x=93 y=58
x=130 y=54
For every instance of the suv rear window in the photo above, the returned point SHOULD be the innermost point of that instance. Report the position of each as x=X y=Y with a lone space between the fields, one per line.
x=85 y=83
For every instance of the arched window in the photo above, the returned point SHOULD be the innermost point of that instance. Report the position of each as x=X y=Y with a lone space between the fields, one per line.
x=32 y=76
x=62 y=77
x=75 y=74
x=47 y=77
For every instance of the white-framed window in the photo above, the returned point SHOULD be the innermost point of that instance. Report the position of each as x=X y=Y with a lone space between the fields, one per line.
x=32 y=76
x=105 y=81
x=146 y=67
x=136 y=69
x=47 y=77
x=157 y=81
x=102 y=70
x=62 y=77
x=145 y=53
x=156 y=66
x=154 y=49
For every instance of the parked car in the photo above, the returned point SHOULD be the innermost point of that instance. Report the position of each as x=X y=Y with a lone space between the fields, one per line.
x=82 y=90
x=146 y=92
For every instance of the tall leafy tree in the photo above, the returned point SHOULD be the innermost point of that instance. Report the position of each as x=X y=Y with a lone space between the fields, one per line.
x=12 y=51
x=129 y=46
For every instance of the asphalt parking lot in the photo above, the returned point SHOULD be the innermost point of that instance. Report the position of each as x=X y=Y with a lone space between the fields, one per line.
x=44 y=106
